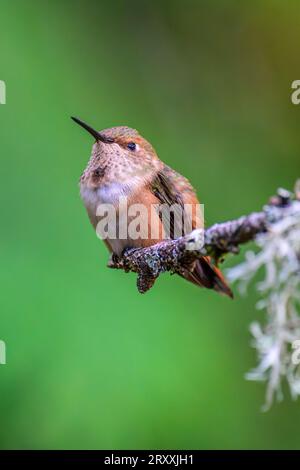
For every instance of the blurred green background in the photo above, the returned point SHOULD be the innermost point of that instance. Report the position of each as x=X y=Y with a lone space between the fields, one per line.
x=90 y=362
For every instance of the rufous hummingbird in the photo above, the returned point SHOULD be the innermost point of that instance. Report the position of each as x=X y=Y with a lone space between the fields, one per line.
x=124 y=164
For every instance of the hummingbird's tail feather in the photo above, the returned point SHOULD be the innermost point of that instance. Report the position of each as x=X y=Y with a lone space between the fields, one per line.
x=205 y=274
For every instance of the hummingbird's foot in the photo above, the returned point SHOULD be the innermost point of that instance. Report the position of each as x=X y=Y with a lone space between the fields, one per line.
x=115 y=262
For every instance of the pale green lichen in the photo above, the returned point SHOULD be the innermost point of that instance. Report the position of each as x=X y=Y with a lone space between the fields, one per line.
x=275 y=340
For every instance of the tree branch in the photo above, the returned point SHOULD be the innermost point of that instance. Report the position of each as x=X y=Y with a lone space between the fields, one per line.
x=178 y=255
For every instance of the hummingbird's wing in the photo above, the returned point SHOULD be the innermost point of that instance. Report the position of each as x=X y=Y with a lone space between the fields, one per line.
x=175 y=190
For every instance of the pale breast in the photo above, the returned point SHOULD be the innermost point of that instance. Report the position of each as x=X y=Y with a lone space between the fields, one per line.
x=120 y=197
x=107 y=195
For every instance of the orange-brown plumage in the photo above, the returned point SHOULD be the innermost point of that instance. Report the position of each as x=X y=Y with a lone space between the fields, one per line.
x=124 y=164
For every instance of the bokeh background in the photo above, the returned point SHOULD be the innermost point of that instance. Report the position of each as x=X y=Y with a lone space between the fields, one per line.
x=90 y=362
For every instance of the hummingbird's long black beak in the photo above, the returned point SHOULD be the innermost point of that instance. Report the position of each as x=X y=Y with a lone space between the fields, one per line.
x=97 y=135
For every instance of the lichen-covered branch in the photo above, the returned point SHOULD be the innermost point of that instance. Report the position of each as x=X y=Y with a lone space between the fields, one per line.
x=217 y=240
x=276 y=231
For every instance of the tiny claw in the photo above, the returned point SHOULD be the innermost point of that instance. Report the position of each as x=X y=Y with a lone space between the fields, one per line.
x=114 y=262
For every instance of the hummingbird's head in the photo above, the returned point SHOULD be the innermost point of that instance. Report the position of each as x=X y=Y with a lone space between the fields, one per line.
x=119 y=153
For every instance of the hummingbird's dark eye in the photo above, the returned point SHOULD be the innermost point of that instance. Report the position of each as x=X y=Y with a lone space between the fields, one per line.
x=131 y=146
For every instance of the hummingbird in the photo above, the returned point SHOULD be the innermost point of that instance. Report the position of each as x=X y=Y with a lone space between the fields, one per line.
x=124 y=164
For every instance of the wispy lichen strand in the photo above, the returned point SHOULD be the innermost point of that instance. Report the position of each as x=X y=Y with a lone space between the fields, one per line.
x=279 y=258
